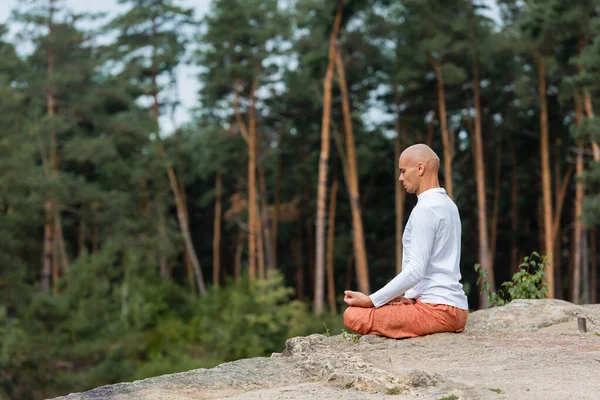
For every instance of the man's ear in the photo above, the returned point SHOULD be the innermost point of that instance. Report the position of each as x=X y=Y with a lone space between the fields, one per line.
x=421 y=168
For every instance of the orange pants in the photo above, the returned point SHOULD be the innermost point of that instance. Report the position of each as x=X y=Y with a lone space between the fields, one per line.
x=399 y=321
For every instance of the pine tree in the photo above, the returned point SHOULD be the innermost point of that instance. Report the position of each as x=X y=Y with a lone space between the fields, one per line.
x=150 y=43
x=236 y=68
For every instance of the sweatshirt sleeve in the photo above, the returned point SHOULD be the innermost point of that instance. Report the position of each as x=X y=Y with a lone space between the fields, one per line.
x=423 y=229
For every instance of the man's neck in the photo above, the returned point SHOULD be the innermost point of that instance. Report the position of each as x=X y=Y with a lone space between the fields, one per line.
x=433 y=184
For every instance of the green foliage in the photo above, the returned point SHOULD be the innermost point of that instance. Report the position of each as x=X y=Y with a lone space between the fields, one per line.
x=393 y=391
x=247 y=319
x=527 y=283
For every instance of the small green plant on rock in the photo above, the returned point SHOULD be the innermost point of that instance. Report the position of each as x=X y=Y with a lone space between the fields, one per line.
x=528 y=283
x=496 y=390
x=348 y=336
x=451 y=397
x=393 y=391
x=326 y=334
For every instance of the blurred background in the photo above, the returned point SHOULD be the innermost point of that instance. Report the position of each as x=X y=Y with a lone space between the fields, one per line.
x=184 y=183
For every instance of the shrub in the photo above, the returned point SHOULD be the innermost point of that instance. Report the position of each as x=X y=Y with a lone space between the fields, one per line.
x=527 y=283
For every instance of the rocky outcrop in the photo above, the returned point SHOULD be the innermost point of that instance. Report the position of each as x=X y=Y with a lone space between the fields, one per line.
x=528 y=349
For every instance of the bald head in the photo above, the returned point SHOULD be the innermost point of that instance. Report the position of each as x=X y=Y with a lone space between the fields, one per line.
x=419 y=166
x=421 y=153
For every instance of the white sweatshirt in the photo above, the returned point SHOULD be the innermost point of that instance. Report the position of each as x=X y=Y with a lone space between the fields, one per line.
x=430 y=255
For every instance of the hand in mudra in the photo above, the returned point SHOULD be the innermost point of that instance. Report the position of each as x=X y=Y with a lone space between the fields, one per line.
x=357 y=299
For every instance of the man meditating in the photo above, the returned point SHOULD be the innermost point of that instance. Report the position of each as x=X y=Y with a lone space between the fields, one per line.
x=434 y=300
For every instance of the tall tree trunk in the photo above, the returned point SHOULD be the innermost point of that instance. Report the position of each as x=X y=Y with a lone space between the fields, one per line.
x=217 y=229
x=349 y=271
x=237 y=266
x=47 y=253
x=446 y=140
x=362 y=268
x=53 y=238
x=545 y=165
x=323 y=163
x=495 y=207
x=589 y=110
x=299 y=260
x=330 y=244
x=484 y=249
x=561 y=192
x=514 y=200
x=277 y=200
x=189 y=268
x=180 y=207
x=594 y=267
x=400 y=193
x=430 y=130
x=309 y=231
x=162 y=232
x=578 y=230
x=265 y=220
x=253 y=220
x=585 y=270
x=260 y=247
x=557 y=239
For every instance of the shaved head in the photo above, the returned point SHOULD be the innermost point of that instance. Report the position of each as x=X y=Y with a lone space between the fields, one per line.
x=422 y=153
x=419 y=166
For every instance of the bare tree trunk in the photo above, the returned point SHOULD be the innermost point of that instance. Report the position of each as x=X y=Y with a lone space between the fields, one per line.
x=578 y=230
x=189 y=268
x=252 y=205
x=362 y=268
x=53 y=238
x=485 y=255
x=400 y=193
x=217 y=229
x=299 y=260
x=277 y=200
x=265 y=223
x=323 y=163
x=430 y=131
x=589 y=110
x=593 y=266
x=330 y=244
x=237 y=269
x=557 y=239
x=561 y=192
x=546 y=180
x=349 y=271
x=180 y=207
x=162 y=231
x=514 y=247
x=495 y=207
x=446 y=140
x=60 y=241
x=260 y=248
x=310 y=233
x=585 y=268
x=55 y=269
x=47 y=254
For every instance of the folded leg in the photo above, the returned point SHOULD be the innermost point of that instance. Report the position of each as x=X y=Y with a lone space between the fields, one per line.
x=405 y=320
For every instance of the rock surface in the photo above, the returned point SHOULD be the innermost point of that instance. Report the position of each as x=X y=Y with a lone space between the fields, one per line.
x=528 y=349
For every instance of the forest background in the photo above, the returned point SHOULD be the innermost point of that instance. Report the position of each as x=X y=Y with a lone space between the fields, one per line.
x=129 y=250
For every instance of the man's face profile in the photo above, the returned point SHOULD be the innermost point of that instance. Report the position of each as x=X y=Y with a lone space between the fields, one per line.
x=408 y=173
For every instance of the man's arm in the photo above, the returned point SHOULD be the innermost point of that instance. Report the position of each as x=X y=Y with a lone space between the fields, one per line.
x=423 y=231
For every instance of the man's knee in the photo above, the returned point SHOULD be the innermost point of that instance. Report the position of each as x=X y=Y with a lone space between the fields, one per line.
x=357 y=319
